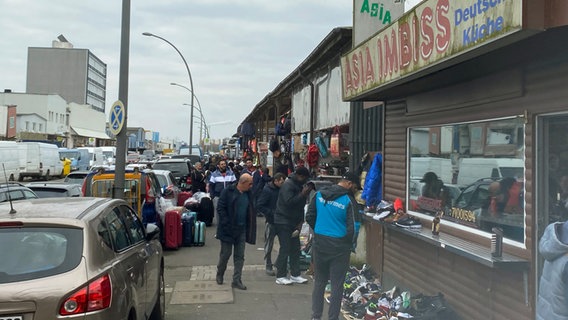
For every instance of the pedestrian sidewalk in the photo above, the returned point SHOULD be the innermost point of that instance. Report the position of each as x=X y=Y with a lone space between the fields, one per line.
x=192 y=293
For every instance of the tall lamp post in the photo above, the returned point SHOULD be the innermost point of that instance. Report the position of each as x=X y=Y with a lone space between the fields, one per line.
x=196 y=99
x=148 y=34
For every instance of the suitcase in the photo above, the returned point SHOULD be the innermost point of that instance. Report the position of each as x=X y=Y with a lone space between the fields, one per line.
x=188 y=223
x=199 y=233
x=173 y=230
x=184 y=195
x=206 y=211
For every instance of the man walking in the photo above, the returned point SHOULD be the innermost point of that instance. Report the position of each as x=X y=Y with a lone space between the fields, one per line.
x=333 y=216
x=288 y=219
x=266 y=205
x=220 y=179
x=237 y=225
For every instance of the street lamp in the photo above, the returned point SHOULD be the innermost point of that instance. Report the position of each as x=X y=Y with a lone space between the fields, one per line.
x=148 y=34
x=202 y=117
x=196 y=99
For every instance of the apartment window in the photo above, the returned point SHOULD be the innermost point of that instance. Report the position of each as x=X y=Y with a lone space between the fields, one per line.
x=27 y=126
x=34 y=126
x=12 y=122
x=40 y=127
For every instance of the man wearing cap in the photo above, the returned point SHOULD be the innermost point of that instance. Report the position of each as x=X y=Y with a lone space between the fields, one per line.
x=332 y=214
x=288 y=219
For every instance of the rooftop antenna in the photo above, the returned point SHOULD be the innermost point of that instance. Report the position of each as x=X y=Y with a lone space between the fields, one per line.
x=12 y=211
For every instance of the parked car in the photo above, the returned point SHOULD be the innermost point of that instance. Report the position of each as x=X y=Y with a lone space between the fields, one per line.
x=476 y=200
x=170 y=189
x=87 y=258
x=180 y=168
x=53 y=190
x=15 y=191
x=76 y=177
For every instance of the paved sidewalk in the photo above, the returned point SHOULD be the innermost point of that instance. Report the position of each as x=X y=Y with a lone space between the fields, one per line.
x=192 y=293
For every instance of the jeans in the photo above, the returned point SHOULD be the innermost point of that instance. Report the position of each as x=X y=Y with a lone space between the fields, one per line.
x=269 y=234
x=289 y=251
x=238 y=258
x=329 y=268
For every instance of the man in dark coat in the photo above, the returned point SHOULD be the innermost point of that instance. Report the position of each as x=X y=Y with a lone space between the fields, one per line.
x=288 y=219
x=237 y=226
x=266 y=204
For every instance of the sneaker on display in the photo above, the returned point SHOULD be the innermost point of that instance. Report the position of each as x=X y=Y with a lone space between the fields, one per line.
x=284 y=281
x=382 y=215
x=298 y=279
x=409 y=223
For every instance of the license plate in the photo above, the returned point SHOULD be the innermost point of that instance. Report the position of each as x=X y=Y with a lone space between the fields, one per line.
x=12 y=318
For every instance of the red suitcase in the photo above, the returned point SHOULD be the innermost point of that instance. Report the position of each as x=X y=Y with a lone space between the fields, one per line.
x=173 y=232
x=184 y=195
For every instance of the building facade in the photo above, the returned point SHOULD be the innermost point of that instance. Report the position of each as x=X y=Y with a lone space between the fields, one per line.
x=77 y=75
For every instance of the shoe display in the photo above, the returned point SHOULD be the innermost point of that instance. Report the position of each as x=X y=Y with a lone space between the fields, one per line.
x=219 y=279
x=298 y=279
x=238 y=285
x=283 y=280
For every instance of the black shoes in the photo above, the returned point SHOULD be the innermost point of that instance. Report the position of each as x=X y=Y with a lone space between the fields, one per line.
x=238 y=285
x=219 y=279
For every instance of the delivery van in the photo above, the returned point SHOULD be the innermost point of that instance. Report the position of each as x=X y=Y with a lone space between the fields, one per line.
x=473 y=169
x=80 y=159
x=96 y=157
x=39 y=160
x=9 y=158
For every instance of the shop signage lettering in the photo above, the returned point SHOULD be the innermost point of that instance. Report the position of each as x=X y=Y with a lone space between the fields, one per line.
x=376 y=10
x=463 y=215
x=432 y=32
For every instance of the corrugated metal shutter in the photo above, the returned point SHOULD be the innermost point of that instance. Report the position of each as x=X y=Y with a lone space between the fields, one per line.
x=365 y=131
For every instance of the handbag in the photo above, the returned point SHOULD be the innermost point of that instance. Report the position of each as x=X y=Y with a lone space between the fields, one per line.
x=335 y=142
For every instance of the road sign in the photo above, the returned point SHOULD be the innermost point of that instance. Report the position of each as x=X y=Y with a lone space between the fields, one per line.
x=117 y=117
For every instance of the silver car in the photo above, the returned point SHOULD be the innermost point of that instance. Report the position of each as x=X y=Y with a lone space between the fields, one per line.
x=71 y=258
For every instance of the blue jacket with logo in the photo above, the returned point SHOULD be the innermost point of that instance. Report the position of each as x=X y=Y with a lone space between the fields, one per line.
x=333 y=217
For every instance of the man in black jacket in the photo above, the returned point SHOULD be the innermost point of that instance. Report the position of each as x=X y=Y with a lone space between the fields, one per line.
x=266 y=204
x=288 y=219
x=237 y=225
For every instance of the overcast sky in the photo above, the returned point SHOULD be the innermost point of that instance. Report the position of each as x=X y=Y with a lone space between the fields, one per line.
x=237 y=51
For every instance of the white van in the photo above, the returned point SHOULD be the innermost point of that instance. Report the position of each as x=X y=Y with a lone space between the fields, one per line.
x=95 y=155
x=473 y=169
x=109 y=154
x=9 y=160
x=39 y=160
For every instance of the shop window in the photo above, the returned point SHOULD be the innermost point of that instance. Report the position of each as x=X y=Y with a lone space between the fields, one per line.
x=471 y=174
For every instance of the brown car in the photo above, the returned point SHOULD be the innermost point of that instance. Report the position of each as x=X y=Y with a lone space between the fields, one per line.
x=79 y=257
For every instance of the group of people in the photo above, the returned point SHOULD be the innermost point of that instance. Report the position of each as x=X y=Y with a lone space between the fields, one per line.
x=332 y=215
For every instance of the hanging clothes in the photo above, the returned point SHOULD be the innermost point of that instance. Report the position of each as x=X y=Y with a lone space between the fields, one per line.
x=373 y=189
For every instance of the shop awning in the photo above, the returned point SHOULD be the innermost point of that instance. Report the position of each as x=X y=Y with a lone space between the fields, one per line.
x=90 y=133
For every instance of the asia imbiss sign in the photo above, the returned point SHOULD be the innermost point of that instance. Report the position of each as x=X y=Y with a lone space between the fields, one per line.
x=433 y=32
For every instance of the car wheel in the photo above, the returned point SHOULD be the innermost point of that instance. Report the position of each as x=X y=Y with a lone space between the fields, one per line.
x=159 y=310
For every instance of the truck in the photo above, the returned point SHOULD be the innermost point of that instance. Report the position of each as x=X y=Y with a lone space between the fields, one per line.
x=96 y=157
x=39 y=160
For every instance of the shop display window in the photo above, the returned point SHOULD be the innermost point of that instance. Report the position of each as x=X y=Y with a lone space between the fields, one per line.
x=470 y=173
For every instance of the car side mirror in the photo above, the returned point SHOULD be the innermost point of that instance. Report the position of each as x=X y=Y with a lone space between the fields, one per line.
x=152 y=231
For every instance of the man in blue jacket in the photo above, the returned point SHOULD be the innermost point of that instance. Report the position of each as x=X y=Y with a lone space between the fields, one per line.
x=265 y=205
x=237 y=225
x=332 y=214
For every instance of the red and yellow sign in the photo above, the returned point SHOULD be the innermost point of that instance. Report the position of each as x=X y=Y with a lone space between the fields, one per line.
x=431 y=33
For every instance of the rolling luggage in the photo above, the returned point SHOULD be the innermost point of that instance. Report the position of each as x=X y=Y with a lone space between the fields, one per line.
x=206 y=211
x=184 y=195
x=188 y=223
x=199 y=233
x=173 y=230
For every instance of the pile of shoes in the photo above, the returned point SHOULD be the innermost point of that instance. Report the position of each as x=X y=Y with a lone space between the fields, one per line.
x=364 y=299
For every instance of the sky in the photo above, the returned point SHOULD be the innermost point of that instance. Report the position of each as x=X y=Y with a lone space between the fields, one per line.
x=237 y=52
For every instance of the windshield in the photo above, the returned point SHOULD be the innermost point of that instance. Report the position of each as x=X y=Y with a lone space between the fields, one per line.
x=69 y=154
x=177 y=168
x=38 y=252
